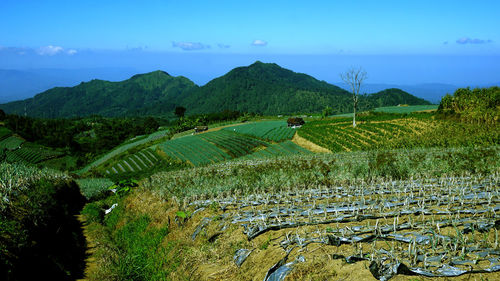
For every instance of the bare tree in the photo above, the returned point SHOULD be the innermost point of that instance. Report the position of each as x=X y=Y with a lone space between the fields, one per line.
x=354 y=77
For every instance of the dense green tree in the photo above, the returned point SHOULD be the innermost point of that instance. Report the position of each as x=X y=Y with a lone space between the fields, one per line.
x=180 y=111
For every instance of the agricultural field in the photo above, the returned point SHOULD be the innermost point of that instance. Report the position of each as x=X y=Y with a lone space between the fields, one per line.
x=11 y=142
x=140 y=161
x=406 y=109
x=4 y=133
x=275 y=131
x=140 y=140
x=337 y=134
x=402 y=214
x=277 y=149
x=31 y=153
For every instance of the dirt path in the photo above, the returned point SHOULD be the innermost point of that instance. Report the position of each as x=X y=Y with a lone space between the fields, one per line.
x=308 y=144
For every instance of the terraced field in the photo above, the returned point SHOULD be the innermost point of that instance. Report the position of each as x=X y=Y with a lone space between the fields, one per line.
x=31 y=153
x=278 y=149
x=4 y=133
x=275 y=131
x=124 y=147
x=11 y=142
x=222 y=145
x=142 y=160
x=338 y=134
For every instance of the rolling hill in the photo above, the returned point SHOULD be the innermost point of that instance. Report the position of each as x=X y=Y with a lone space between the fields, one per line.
x=264 y=88
x=105 y=98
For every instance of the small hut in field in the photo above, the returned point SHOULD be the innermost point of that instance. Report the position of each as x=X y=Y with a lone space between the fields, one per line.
x=295 y=122
x=199 y=129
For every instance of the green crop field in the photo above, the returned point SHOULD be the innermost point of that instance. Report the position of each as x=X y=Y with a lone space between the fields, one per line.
x=11 y=142
x=278 y=149
x=195 y=149
x=124 y=147
x=406 y=109
x=140 y=161
x=4 y=133
x=269 y=130
x=337 y=134
x=213 y=147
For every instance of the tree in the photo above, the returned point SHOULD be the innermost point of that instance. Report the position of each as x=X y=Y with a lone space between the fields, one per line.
x=354 y=78
x=179 y=111
x=2 y=115
x=327 y=111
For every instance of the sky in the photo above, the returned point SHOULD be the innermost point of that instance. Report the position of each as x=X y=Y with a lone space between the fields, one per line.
x=456 y=42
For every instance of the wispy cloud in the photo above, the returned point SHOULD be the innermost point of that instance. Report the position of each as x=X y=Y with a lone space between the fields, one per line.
x=223 y=46
x=258 y=42
x=190 y=46
x=467 y=40
x=54 y=50
x=49 y=50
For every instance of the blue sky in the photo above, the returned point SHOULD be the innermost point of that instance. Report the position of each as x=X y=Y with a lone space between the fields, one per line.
x=324 y=37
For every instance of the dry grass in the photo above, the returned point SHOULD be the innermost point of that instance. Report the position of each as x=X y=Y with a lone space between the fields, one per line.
x=308 y=144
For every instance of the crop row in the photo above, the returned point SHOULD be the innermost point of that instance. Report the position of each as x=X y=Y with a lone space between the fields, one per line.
x=11 y=143
x=139 y=161
x=195 y=150
x=278 y=149
x=235 y=144
x=435 y=227
x=4 y=133
x=124 y=147
x=341 y=136
x=268 y=130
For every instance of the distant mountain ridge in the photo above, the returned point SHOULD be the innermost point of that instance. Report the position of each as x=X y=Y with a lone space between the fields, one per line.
x=264 y=88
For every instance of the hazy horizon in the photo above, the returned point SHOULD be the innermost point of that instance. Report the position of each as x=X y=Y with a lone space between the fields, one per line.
x=401 y=43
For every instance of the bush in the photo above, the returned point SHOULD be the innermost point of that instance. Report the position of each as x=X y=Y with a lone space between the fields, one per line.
x=40 y=237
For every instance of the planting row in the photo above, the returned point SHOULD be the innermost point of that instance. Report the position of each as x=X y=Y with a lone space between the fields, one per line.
x=432 y=227
x=139 y=161
x=276 y=131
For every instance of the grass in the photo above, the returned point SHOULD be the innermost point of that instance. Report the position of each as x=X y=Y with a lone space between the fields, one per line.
x=295 y=190
x=268 y=130
x=93 y=187
x=371 y=132
x=127 y=145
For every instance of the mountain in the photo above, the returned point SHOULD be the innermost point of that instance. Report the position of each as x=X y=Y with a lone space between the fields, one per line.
x=23 y=84
x=156 y=90
x=264 y=88
x=268 y=89
x=392 y=97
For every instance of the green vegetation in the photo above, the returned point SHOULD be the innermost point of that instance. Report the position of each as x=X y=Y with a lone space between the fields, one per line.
x=473 y=106
x=133 y=143
x=93 y=188
x=277 y=149
x=38 y=227
x=152 y=93
x=406 y=109
x=385 y=131
x=265 y=175
x=268 y=130
x=263 y=88
x=11 y=143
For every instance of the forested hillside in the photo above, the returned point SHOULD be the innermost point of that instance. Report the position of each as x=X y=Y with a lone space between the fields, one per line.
x=157 y=92
x=263 y=88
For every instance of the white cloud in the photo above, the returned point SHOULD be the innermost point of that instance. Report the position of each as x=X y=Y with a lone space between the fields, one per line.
x=71 y=52
x=467 y=40
x=49 y=50
x=190 y=46
x=258 y=42
x=223 y=46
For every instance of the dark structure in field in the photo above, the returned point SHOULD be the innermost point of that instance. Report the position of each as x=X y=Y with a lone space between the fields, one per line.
x=295 y=122
x=200 y=129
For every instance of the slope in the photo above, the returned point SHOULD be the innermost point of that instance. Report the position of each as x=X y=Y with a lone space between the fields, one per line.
x=128 y=97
